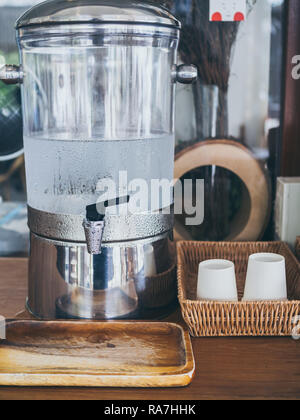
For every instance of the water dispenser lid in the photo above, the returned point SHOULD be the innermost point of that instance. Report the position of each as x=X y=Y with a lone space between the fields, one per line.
x=57 y=12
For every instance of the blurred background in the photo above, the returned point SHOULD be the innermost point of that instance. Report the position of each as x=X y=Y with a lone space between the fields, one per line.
x=13 y=215
x=252 y=100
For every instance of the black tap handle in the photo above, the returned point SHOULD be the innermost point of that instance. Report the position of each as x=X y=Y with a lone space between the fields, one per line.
x=92 y=211
x=92 y=214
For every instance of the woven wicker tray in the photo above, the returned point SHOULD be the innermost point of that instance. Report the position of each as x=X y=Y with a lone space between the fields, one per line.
x=206 y=319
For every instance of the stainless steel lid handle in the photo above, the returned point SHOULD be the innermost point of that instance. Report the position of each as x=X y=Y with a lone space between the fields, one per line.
x=185 y=74
x=11 y=74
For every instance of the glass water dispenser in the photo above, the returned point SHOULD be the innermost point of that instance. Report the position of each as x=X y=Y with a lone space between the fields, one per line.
x=98 y=83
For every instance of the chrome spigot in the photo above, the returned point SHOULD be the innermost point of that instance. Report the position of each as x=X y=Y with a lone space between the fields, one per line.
x=94 y=223
x=94 y=228
x=94 y=235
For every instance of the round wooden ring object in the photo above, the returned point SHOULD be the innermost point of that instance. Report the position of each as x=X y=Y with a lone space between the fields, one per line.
x=238 y=159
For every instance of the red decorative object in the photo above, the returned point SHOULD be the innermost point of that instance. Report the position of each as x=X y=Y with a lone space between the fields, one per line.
x=217 y=17
x=238 y=17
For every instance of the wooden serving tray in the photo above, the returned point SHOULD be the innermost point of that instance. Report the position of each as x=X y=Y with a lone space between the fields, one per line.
x=95 y=354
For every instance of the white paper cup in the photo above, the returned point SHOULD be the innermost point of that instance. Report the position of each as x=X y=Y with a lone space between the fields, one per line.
x=266 y=278
x=216 y=281
x=149 y=262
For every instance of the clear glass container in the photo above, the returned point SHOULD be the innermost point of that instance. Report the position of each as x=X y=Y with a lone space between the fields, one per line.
x=97 y=99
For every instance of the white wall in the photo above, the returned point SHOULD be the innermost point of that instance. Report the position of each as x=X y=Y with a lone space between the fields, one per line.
x=249 y=82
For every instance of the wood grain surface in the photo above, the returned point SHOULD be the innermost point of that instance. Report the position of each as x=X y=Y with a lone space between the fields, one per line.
x=226 y=368
x=82 y=353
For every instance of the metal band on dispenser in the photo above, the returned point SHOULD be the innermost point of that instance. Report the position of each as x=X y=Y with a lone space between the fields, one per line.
x=117 y=228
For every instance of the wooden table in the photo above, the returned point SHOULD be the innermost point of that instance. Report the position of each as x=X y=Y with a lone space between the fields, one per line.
x=227 y=368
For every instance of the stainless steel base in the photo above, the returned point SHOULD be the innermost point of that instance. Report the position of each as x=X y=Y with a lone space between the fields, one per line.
x=129 y=280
